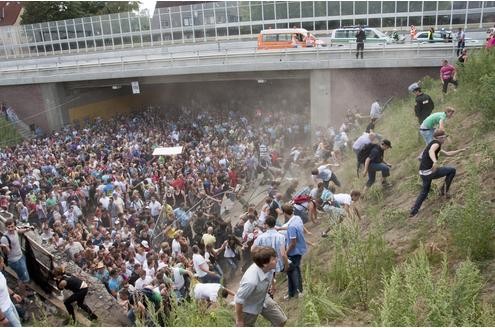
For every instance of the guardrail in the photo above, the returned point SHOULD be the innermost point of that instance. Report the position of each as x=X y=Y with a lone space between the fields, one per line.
x=134 y=63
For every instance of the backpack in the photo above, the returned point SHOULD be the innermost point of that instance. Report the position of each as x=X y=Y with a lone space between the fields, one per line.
x=364 y=152
x=5 y=256
x=301 y=199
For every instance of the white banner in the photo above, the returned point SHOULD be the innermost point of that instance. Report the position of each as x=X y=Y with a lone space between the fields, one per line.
x=135 y=87
x=159 y=151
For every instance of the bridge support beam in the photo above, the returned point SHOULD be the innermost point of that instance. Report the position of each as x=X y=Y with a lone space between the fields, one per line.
x=53 y=96
x=320 y=91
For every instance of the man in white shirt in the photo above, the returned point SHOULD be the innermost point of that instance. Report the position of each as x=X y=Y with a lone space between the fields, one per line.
x=376 y=110
x=345 y=201
x=8 y=314
x=104 y=201
x=252 y=297
x=202 y=269
x=155 y=208
x=361 y=141
x=143 y=280
x=179 y=283
x=176 y=249
x=210 y=292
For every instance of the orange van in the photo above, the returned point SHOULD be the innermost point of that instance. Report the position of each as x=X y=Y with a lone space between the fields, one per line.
x=287 y=38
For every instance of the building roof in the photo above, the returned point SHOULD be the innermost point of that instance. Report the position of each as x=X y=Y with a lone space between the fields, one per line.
x=9 y=12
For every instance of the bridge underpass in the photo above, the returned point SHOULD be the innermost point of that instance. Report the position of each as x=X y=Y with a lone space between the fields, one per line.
x=325 y=95
x=323 y=81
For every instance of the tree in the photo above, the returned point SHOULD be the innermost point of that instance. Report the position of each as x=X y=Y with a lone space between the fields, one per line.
x=46 y=11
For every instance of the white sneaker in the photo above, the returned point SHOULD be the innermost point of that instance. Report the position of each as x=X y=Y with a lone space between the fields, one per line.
x=286 y=297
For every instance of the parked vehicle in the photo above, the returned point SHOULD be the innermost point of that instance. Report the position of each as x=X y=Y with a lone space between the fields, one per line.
x=344 y=35
x=287 y=38
x=438 y=36
x=396 y=37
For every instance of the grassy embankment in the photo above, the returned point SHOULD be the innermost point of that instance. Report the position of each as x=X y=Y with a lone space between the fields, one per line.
x=386 y=269
x=432 y=270
x=8 y=134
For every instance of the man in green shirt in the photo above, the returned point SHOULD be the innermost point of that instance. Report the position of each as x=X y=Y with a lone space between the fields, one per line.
x=434 y=121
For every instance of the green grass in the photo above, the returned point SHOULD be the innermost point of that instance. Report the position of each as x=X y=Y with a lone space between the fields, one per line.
x=8 y=134
x=440 y=286
x=414 y=295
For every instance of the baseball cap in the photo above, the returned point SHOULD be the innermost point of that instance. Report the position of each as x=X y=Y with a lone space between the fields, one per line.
x=387 y=143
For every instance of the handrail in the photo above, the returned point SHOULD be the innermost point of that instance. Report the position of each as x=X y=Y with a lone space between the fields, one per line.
x=311 y=57
x=209 y=54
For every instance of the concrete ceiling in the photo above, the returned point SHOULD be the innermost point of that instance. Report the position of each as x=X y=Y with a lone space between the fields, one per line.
x=234 y=76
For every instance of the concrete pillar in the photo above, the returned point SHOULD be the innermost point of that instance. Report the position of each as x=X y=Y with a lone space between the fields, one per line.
x=320 y=87
x=53 y=99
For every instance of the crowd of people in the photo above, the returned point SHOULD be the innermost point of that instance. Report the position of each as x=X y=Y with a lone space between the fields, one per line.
x=137 y=221
x=155 y=226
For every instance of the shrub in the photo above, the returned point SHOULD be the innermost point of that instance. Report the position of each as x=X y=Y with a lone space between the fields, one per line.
x=358 y=260
x=471 y=224
x=193 y=314
x=477 y=79
x=320 y=305
x=8 y=134
x=414 y=296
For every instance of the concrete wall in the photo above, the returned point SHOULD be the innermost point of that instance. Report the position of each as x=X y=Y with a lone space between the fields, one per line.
x=358 y=88
x=28 y=103
x=331 y=92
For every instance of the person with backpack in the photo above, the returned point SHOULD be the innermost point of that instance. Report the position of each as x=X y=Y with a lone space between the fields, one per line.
x=375 y=162
x=345 y=202
x=325 y=174
x=364 y=141
x=429 y=170
x=10 y=243
x=305 y=208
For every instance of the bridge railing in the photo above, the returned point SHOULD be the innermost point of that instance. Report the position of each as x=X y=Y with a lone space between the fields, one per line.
x=134 y=61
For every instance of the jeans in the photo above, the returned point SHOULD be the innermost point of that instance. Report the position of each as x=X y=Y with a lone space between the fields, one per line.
x=209 y=278
x=427 y=135
x=294 y=275
x=373 y=168
x=444 y=171
x=446 y=84
x=359 y=47
x=334 y=179
x=460 y=45
x=231 y=266
x=358 y=165
x=78 y=297
x=20 y=269
x=13 y=317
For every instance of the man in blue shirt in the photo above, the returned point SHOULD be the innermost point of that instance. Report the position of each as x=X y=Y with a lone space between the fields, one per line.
x=272 y=238
x=296 y=248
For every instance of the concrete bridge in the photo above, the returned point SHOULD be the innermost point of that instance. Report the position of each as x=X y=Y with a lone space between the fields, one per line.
x=325 y=74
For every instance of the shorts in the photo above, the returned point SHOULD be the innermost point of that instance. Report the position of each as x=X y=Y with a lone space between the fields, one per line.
x=271 y=312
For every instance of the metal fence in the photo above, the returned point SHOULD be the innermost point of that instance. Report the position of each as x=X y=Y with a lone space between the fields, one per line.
x=216 y=21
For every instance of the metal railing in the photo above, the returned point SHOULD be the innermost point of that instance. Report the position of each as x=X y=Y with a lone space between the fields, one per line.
x=226 y=20
x=208 y=60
